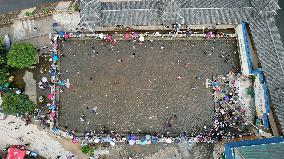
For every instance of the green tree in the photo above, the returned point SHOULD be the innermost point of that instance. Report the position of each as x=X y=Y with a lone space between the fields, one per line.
x=4 y=71
x=17 y=103
x=21 y=55
x=1 y=47
x=86 y=149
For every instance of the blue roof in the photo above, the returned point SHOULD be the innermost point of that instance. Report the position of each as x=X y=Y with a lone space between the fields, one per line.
x=229 y=145
x=268 y=151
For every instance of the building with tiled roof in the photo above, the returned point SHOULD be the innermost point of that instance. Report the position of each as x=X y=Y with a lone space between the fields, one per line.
x=259 y=14
x=269 y=148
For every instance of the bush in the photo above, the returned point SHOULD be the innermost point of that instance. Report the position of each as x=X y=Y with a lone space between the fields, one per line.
x=21 y=55
x=17 y=103
x=45 y=11
x=29 y=14
x=86 y=149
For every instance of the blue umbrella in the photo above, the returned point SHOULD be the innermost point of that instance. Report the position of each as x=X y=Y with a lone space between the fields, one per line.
x=132 y=142
x=106 y=139
x=54 y=25
x=52 y=107
x=143 y=139
x=154 y=140
x=148 y=137
x=53 y=72
x=55 y=57
x=143 y=142
x=61 y=34
x=128 y=137
x=134 y=137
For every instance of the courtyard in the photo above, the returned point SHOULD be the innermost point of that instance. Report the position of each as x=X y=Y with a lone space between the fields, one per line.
x=155 y=86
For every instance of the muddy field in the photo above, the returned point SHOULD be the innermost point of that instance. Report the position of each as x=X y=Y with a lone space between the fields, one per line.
x=156 y=86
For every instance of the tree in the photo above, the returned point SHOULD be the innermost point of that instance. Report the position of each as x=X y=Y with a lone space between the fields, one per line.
x=21 y=55
x=86 y=149
x=17 y=103
x=1 y=47
x=4 y=72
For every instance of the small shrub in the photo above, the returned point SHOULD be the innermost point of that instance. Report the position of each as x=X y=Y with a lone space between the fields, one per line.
x=45 y=11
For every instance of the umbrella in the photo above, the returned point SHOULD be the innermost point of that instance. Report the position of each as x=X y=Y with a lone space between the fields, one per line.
x=52 y=114
x=54 y=25
x=209 y=34
x=135 y=35
x=143 y=139
x=54 y=45
x=127 y=36
x=177 y=140
x=52 y=72
x=74 y=140
x=148 y=137
x=49 y=96
x=227 y=98
x=66 y=36
x=109 y=37
x=138 y=142
x=44 y=79
x=112 y=143
x=143 y=142
x=97 y=140
x=101 y=35
x=134 y=137
x=60 y=83
x=154 y=140
x=141 y=38
x=168 y=140
x=132 y=142
x=128 y=137
x=107 y=139
x=55 y=57
x=61 y=34
x=52 y=107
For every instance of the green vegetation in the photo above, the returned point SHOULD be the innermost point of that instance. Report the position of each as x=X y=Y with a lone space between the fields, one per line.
x=45 y=10
x=4 y=72
x=86 y=149
x=21 y=55
x=17 y=103
x=1 y=47
x=29 y=14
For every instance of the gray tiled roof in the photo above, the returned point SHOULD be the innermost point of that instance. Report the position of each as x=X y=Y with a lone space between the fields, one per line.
x=271 y=53
x=156 y=12
x=259 y=13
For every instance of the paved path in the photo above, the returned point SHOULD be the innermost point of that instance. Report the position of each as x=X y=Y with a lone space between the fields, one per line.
x=40 y=141
x=30 y=88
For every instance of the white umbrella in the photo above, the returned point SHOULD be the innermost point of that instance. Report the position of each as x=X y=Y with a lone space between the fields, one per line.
x=101 y=35
x=132 y=142
x=168 y=140
x=44 y=79
x=141 y=38
x=112 y=143
x=97 y=140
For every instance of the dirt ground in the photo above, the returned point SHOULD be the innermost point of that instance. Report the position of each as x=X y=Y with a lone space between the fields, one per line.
x=160 y=89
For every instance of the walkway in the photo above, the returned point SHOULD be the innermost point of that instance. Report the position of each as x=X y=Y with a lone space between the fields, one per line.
x=40 y=141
